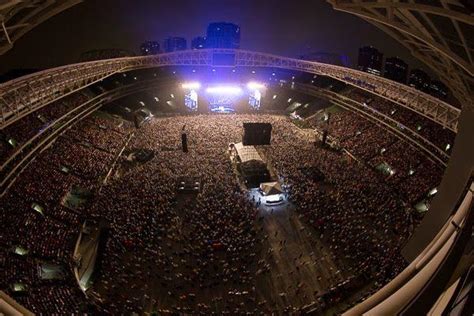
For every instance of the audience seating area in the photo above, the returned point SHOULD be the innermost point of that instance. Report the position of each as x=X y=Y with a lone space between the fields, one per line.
x=365 y=216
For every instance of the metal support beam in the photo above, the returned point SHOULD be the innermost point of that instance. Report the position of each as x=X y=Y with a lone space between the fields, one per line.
x=20 y=16
x=23 y=95
x=437 y=33
x=6 y=33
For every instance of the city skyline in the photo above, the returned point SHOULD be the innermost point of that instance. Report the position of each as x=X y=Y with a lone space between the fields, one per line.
x=263 y=29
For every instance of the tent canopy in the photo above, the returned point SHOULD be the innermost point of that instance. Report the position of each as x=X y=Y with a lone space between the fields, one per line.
x=247 y=153
x=271 y=188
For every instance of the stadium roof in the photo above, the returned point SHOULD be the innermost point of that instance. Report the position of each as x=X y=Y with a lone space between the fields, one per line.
x=17 y=17
x=440 y=33
x=8 y=306
x=247 y=153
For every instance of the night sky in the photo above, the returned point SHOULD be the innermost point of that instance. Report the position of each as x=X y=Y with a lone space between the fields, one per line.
x=288 y=28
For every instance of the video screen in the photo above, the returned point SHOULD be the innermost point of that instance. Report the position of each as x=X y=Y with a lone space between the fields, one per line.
x=191 y=100
x=255 y=99
x=223 y=99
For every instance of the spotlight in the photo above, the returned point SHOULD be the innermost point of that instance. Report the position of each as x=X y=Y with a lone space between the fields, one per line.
x=191 y=85
x=255 y=85
x=224 y=90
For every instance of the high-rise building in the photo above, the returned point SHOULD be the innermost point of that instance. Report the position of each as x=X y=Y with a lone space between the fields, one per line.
x=105 y=53
x=198 y=42
x=223 y=35
x=172 y=44
x=370 y=60
x=438 y=89
x=150 y=48
x=419 y=80
x=327 y=58
x=396 y=69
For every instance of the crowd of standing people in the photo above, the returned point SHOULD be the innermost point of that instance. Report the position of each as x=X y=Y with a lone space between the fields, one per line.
x=202 y=253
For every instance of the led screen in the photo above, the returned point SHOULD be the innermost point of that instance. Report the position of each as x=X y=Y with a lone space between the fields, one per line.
x=191 y=100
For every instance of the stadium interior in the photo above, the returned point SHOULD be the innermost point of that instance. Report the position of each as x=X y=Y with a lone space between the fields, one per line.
x=138 y=193
x=333 y=239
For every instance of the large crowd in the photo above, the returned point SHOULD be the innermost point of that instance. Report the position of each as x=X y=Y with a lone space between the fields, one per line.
x=14 y=136
x=199 y=248
x=34 y=216
x=356 y=211
x=412 y=173
x=179 y=253
x=440 y=137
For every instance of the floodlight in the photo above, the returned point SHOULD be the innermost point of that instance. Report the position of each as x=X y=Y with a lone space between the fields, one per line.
x=191 y=85
x=255 y=85
x=224 y=90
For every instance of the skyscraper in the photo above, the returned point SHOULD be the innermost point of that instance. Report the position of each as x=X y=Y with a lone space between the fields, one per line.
x=198 y=42
x=396 y=69
x=438 y=89
x=172 y=44
x=419 y=80
x=223 y=35
x=327 y=58
x=370 y=60
x=150 y=48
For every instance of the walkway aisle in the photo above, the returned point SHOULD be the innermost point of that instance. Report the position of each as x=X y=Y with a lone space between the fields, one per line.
x=300 y=267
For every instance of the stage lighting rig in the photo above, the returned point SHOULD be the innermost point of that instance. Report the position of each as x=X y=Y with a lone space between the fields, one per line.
x=191 y=85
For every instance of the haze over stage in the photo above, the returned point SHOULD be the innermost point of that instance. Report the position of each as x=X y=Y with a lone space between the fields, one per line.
x=336 y=207
x=147 y=210
x=189 y=227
